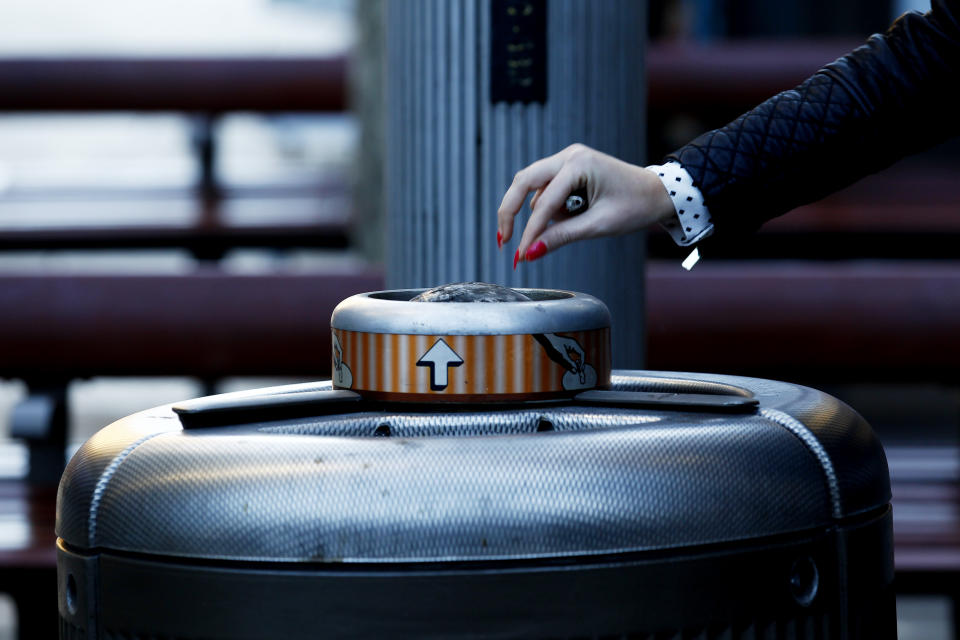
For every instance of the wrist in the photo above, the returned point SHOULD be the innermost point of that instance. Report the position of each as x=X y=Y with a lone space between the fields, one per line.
x=662 y=210
x=689 y=220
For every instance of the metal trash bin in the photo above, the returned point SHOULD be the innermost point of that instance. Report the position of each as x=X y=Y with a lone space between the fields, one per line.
x=665 y=505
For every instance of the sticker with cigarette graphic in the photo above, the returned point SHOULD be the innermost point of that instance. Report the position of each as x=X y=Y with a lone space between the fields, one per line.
x=471 y=367
x=568 y=353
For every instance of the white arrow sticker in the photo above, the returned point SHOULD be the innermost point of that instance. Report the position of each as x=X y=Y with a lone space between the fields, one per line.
x=438 y=358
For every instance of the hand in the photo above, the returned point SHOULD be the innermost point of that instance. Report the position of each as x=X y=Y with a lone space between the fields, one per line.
x=567 y=350
x=622 y=198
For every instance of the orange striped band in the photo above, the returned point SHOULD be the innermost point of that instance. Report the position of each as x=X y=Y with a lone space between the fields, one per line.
x=482 y=367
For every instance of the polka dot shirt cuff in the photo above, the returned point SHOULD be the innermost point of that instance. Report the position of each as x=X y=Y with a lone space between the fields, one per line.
x=692 y=223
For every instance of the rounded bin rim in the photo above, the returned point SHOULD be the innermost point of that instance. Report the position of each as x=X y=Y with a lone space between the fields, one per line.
x=376 y=312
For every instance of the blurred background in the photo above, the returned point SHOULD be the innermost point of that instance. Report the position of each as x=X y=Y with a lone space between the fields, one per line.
x=855 y=294
x=188 y=188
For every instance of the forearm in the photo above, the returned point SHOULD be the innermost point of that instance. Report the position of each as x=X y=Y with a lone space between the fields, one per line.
x=889 y=98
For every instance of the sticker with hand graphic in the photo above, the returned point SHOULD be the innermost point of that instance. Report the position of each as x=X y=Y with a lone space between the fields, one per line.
x=568 y=353
x=342 y=376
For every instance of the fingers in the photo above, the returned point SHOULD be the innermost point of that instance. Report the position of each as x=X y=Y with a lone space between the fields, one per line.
x=568 y=347
x=551 y=204
x=536 y=176
x=536 y=196
x=581 y=227
x=623 y=198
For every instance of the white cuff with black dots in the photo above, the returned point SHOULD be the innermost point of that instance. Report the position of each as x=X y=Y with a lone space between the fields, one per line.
x=692 y=223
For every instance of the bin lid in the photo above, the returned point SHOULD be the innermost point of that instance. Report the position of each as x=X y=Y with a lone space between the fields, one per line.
x=470 y=342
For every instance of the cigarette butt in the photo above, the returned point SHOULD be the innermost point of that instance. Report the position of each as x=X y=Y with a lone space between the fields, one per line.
x=577 y=202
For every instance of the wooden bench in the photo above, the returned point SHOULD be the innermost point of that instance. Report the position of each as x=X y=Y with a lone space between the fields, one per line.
x=208 y=324
x=731 y=75
x=207 y=84
x=831 y=322
x=203 y=89
x=927 y=518
x=317 y=218
x=820 y=321
x=926 y=522
x=28 y=559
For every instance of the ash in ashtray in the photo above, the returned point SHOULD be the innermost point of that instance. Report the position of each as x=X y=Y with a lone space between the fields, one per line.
x=470 y=292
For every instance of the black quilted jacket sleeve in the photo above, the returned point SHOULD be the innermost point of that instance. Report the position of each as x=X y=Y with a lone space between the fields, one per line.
x=895 y=95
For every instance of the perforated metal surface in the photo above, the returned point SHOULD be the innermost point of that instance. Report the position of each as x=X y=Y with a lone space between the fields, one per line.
x=397 y=499
x=323 y=489
x=467 y=423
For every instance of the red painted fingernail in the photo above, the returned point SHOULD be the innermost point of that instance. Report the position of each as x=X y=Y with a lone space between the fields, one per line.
x=536 y=251
x=516 y=259
x=499 y=240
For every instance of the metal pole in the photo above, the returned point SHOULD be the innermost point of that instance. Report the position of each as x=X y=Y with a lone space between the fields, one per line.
x=456 y=136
